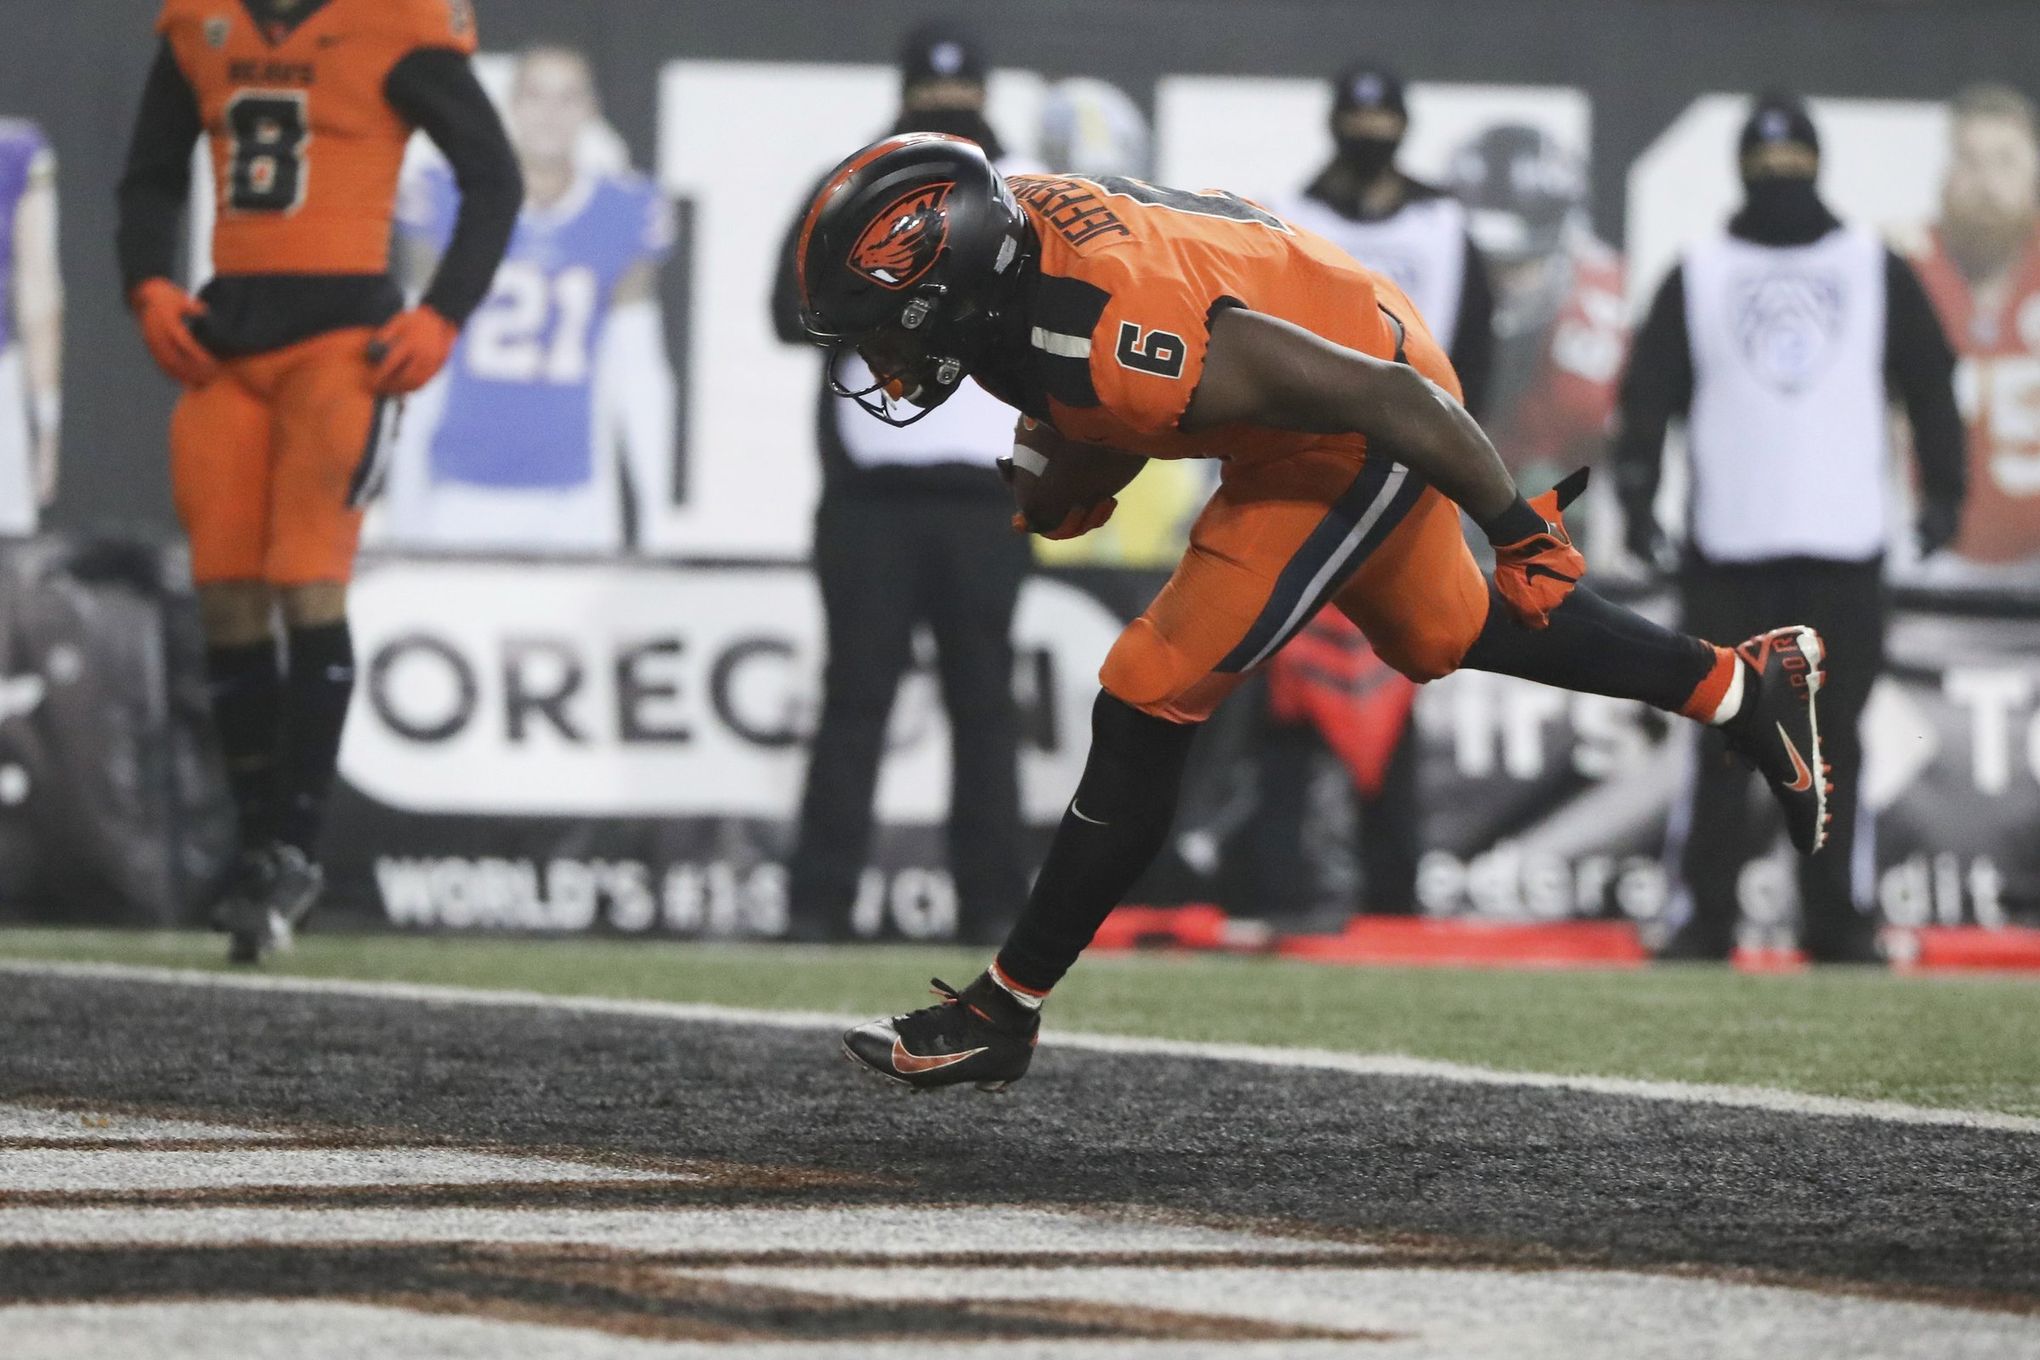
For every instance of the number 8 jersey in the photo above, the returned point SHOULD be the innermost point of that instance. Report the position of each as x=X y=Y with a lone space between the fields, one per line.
x=306 y=145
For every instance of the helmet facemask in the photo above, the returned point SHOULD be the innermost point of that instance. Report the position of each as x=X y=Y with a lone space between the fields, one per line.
x=914 y=366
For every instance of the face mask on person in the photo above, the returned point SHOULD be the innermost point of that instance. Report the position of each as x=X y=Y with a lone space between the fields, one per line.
x=1368 y=156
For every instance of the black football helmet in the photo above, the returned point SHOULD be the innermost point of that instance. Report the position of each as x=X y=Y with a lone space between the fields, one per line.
x=908 y=255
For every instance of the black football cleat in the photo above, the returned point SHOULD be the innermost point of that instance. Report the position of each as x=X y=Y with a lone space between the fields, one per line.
x=295 y=884
x=272 y=891
x=242 y=910
x=1778 y=727
x=980 y=1035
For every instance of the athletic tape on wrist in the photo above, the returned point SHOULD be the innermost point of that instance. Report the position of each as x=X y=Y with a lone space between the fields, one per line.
x=1029 y=460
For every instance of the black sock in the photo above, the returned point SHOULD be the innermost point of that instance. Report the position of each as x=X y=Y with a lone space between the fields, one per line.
x=1115 y=826
x=246 y=692
x=316 y=690
x=1594 y=647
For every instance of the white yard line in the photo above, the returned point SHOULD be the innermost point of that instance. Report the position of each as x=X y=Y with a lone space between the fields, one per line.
x=1312 y=1059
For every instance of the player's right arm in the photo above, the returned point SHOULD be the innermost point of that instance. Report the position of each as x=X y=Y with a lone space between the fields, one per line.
x=1262 y=370
x=1062 y=488
x=153 y=191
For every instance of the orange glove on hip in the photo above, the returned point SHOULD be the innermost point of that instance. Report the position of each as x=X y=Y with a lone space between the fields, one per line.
x=410 y=350
x=163 y=311
x=1535 y=572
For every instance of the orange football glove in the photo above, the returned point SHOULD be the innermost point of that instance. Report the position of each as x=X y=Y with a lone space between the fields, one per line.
x=163 y=311
x=1075 y=524
x=1535 y=573
x=410 y=350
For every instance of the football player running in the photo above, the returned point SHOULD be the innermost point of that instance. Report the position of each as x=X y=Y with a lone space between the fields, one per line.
x=293 y=354
x=1163 y=324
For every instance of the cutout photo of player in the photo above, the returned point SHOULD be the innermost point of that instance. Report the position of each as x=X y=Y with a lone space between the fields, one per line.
x=1981 y=268
x=561 y=389
x=31 y=326
x=1559 y=328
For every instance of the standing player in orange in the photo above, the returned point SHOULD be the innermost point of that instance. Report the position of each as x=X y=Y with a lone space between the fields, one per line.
x=294 y=354
x=1155 y=323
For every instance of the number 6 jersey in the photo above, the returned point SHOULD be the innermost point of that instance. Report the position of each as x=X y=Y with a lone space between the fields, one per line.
x=1131 y=275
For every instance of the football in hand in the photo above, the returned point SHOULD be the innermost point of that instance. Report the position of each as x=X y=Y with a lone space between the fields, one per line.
x=1077 y=477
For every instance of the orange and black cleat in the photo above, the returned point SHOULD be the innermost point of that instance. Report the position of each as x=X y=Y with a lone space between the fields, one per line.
x=1778 y=727
x=980 y=1035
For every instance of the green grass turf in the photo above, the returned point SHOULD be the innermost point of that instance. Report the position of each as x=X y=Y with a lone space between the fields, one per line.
x=1963 y=1043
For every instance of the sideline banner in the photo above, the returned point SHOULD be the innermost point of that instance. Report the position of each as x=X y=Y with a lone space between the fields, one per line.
x=620 y=747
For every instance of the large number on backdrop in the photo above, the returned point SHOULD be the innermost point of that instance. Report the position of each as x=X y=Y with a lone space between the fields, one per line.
x=536 y=326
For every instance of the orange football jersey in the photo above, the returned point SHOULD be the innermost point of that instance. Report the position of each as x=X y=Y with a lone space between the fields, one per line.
x=305 y=146
x=1131 y=275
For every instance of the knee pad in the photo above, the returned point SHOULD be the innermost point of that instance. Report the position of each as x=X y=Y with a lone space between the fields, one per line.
x=1147 y=674
x=1424 y=654
x=1143 y=671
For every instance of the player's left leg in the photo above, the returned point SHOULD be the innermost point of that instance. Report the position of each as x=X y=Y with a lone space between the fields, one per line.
x=1423 y=603
x=329 y=428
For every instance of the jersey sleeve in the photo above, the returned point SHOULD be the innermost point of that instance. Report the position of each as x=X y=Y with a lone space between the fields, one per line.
x=436 y=23
x=1147 y=353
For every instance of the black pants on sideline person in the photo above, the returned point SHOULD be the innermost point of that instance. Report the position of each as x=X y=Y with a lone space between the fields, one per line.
x=1287 y=867
x=887 y=563
x=1727 y=603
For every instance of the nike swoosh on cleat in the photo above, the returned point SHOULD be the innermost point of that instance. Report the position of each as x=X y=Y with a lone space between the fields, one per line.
x=1078 y=813
x=1803 y=780
x=910 y=1063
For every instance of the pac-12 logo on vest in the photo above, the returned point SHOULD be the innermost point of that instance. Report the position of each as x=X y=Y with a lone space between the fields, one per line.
x=1789 y=324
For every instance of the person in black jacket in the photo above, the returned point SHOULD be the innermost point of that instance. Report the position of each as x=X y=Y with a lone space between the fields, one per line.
x=1780 y=344
x=913 y=530
x=1384 y=217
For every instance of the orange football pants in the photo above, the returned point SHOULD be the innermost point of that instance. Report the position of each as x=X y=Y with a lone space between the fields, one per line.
x=268 y=462
x=1284 y=537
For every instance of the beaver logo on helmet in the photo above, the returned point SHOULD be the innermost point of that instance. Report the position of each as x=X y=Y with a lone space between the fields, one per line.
x=905 y=239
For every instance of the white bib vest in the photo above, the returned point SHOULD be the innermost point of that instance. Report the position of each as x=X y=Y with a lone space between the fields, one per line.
x=1788 y=433
x=1422 y=247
